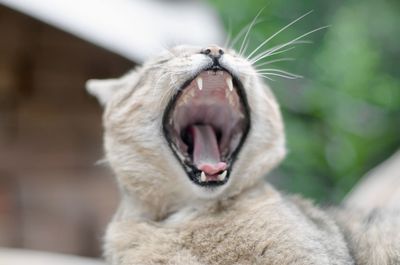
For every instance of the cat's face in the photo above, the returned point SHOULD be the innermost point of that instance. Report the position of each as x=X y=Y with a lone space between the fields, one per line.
x=191 y=123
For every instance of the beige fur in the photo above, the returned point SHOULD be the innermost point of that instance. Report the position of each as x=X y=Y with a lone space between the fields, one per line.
x=164 y=218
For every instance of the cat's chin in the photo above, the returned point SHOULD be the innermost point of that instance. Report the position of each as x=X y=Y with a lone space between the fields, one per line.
x=205 y=124
x=207 y=192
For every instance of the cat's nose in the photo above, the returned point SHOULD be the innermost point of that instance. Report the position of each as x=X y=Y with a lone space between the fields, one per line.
x=213 y=51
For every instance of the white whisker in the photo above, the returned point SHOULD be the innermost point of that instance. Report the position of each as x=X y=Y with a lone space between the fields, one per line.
x=280 y=75
x=276 y=33
x=267 y=70
x=275 y=61
x=292 y=41
x=158 y=81
x=267 y=77
x=228 y=38
x=240 y=34
x=245 y=48
x=249 y=29
x=276 y=50
x=272 y=54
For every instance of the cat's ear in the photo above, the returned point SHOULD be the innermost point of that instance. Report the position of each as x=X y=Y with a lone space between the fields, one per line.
x=104 y=89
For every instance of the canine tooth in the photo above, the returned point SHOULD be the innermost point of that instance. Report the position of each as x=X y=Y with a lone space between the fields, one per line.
x=203 y=177
x=229 y=83
x=230 y=99
x=199 y=81
x=222 y=176
x=183 y=100
x=192 y=93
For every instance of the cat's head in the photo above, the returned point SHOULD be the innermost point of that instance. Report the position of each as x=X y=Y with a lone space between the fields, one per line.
x=192 y=123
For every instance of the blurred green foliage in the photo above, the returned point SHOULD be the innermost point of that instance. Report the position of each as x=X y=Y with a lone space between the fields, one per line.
x=343 y=117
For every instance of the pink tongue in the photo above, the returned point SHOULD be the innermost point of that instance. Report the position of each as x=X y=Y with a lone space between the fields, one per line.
x=206 y=155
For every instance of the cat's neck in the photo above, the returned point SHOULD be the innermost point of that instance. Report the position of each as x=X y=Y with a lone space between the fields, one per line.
x=132 y=209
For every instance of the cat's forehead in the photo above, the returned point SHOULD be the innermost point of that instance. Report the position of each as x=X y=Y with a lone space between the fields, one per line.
x=165 y=56
x=185 y=49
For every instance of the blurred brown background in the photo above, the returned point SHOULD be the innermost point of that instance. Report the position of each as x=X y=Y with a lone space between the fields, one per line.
x=52 y=196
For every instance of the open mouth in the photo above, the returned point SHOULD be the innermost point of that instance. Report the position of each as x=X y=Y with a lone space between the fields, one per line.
x=206 y=124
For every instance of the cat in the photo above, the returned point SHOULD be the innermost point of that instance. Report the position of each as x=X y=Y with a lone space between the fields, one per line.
x=189 y=137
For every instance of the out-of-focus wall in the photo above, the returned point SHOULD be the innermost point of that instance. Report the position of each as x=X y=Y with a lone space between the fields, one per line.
x=52 y=196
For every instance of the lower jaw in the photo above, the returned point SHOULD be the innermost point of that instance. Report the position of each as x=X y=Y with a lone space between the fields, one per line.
x=209 y=191
x=196 y=178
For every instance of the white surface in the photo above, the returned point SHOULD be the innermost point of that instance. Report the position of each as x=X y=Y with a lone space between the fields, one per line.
x=135 y=29
x=24 y=257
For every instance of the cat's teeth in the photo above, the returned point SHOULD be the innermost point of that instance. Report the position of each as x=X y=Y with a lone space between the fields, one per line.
x=184 y=100
x=222 y=176
x=199 y=81
x=230 y=100
x=229 y=83
x=203 y=177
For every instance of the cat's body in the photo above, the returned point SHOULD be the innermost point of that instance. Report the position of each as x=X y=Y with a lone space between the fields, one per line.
x=257 y=227
x=201 y=199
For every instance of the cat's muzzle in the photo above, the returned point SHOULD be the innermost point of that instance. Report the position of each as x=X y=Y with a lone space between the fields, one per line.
x=206 y=123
